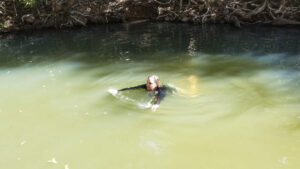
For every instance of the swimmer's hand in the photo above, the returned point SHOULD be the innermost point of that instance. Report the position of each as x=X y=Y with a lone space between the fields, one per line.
x=113 y=91
x=154 y=107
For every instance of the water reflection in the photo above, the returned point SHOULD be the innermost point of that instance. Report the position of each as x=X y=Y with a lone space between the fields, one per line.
x=147 y=41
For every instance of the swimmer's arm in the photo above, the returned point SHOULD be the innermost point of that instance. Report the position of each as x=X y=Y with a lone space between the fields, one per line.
x=160 y=96
x=135 y=87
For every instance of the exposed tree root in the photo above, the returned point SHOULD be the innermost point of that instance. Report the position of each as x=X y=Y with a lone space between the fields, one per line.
x=269 y=12
x=69 y=13
x=275 y=12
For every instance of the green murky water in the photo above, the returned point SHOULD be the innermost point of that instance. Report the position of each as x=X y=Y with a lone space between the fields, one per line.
x=237 y=107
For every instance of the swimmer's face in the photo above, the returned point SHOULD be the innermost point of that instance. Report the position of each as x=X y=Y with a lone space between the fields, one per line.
x=151 y=84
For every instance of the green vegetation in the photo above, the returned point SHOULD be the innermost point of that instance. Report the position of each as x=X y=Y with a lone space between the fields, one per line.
x=28 y=3
x=31 y=3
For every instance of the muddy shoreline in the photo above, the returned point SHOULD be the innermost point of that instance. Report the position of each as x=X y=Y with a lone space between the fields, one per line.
x=17 y=16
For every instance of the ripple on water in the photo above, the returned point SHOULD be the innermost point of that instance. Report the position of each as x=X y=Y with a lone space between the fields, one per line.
x=238 y=98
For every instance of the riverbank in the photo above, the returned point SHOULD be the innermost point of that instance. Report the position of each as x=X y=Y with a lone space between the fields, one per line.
x=16 y=15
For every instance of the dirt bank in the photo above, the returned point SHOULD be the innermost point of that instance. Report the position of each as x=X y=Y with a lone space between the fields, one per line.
x=18 y=15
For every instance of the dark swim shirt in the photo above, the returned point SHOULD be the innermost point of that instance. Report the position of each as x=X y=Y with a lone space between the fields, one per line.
x=159 y=93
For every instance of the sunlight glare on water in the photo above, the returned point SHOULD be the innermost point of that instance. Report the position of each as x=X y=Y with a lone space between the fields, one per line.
x=237 y=104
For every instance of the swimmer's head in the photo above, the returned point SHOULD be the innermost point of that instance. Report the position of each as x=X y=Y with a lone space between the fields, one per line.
x=153 y=82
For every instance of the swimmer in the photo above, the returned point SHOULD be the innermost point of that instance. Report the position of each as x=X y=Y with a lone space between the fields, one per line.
x=154 y=85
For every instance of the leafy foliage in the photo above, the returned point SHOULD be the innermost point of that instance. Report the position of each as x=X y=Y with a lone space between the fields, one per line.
x=31 y=3
x=297 y=2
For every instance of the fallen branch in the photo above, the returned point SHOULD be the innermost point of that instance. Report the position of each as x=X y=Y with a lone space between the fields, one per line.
x=163 y=3
x=78 y=20
x=78 y=13
x=205 y=15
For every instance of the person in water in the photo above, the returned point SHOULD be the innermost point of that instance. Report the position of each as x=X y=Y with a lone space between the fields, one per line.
x=153 y=84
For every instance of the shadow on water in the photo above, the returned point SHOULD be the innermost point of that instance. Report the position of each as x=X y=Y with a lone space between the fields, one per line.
x=146 y=42
x=208 y=50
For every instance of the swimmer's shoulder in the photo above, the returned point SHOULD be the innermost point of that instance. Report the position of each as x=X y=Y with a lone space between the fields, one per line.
x=170 y=88
x=173 y=88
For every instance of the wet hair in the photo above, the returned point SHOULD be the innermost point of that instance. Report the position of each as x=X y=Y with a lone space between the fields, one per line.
x=156 y=79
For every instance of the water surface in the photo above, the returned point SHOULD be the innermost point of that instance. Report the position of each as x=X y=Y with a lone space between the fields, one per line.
x=237 y=107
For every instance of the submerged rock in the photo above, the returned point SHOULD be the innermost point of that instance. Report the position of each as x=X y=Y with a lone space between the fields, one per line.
x=185 y=19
